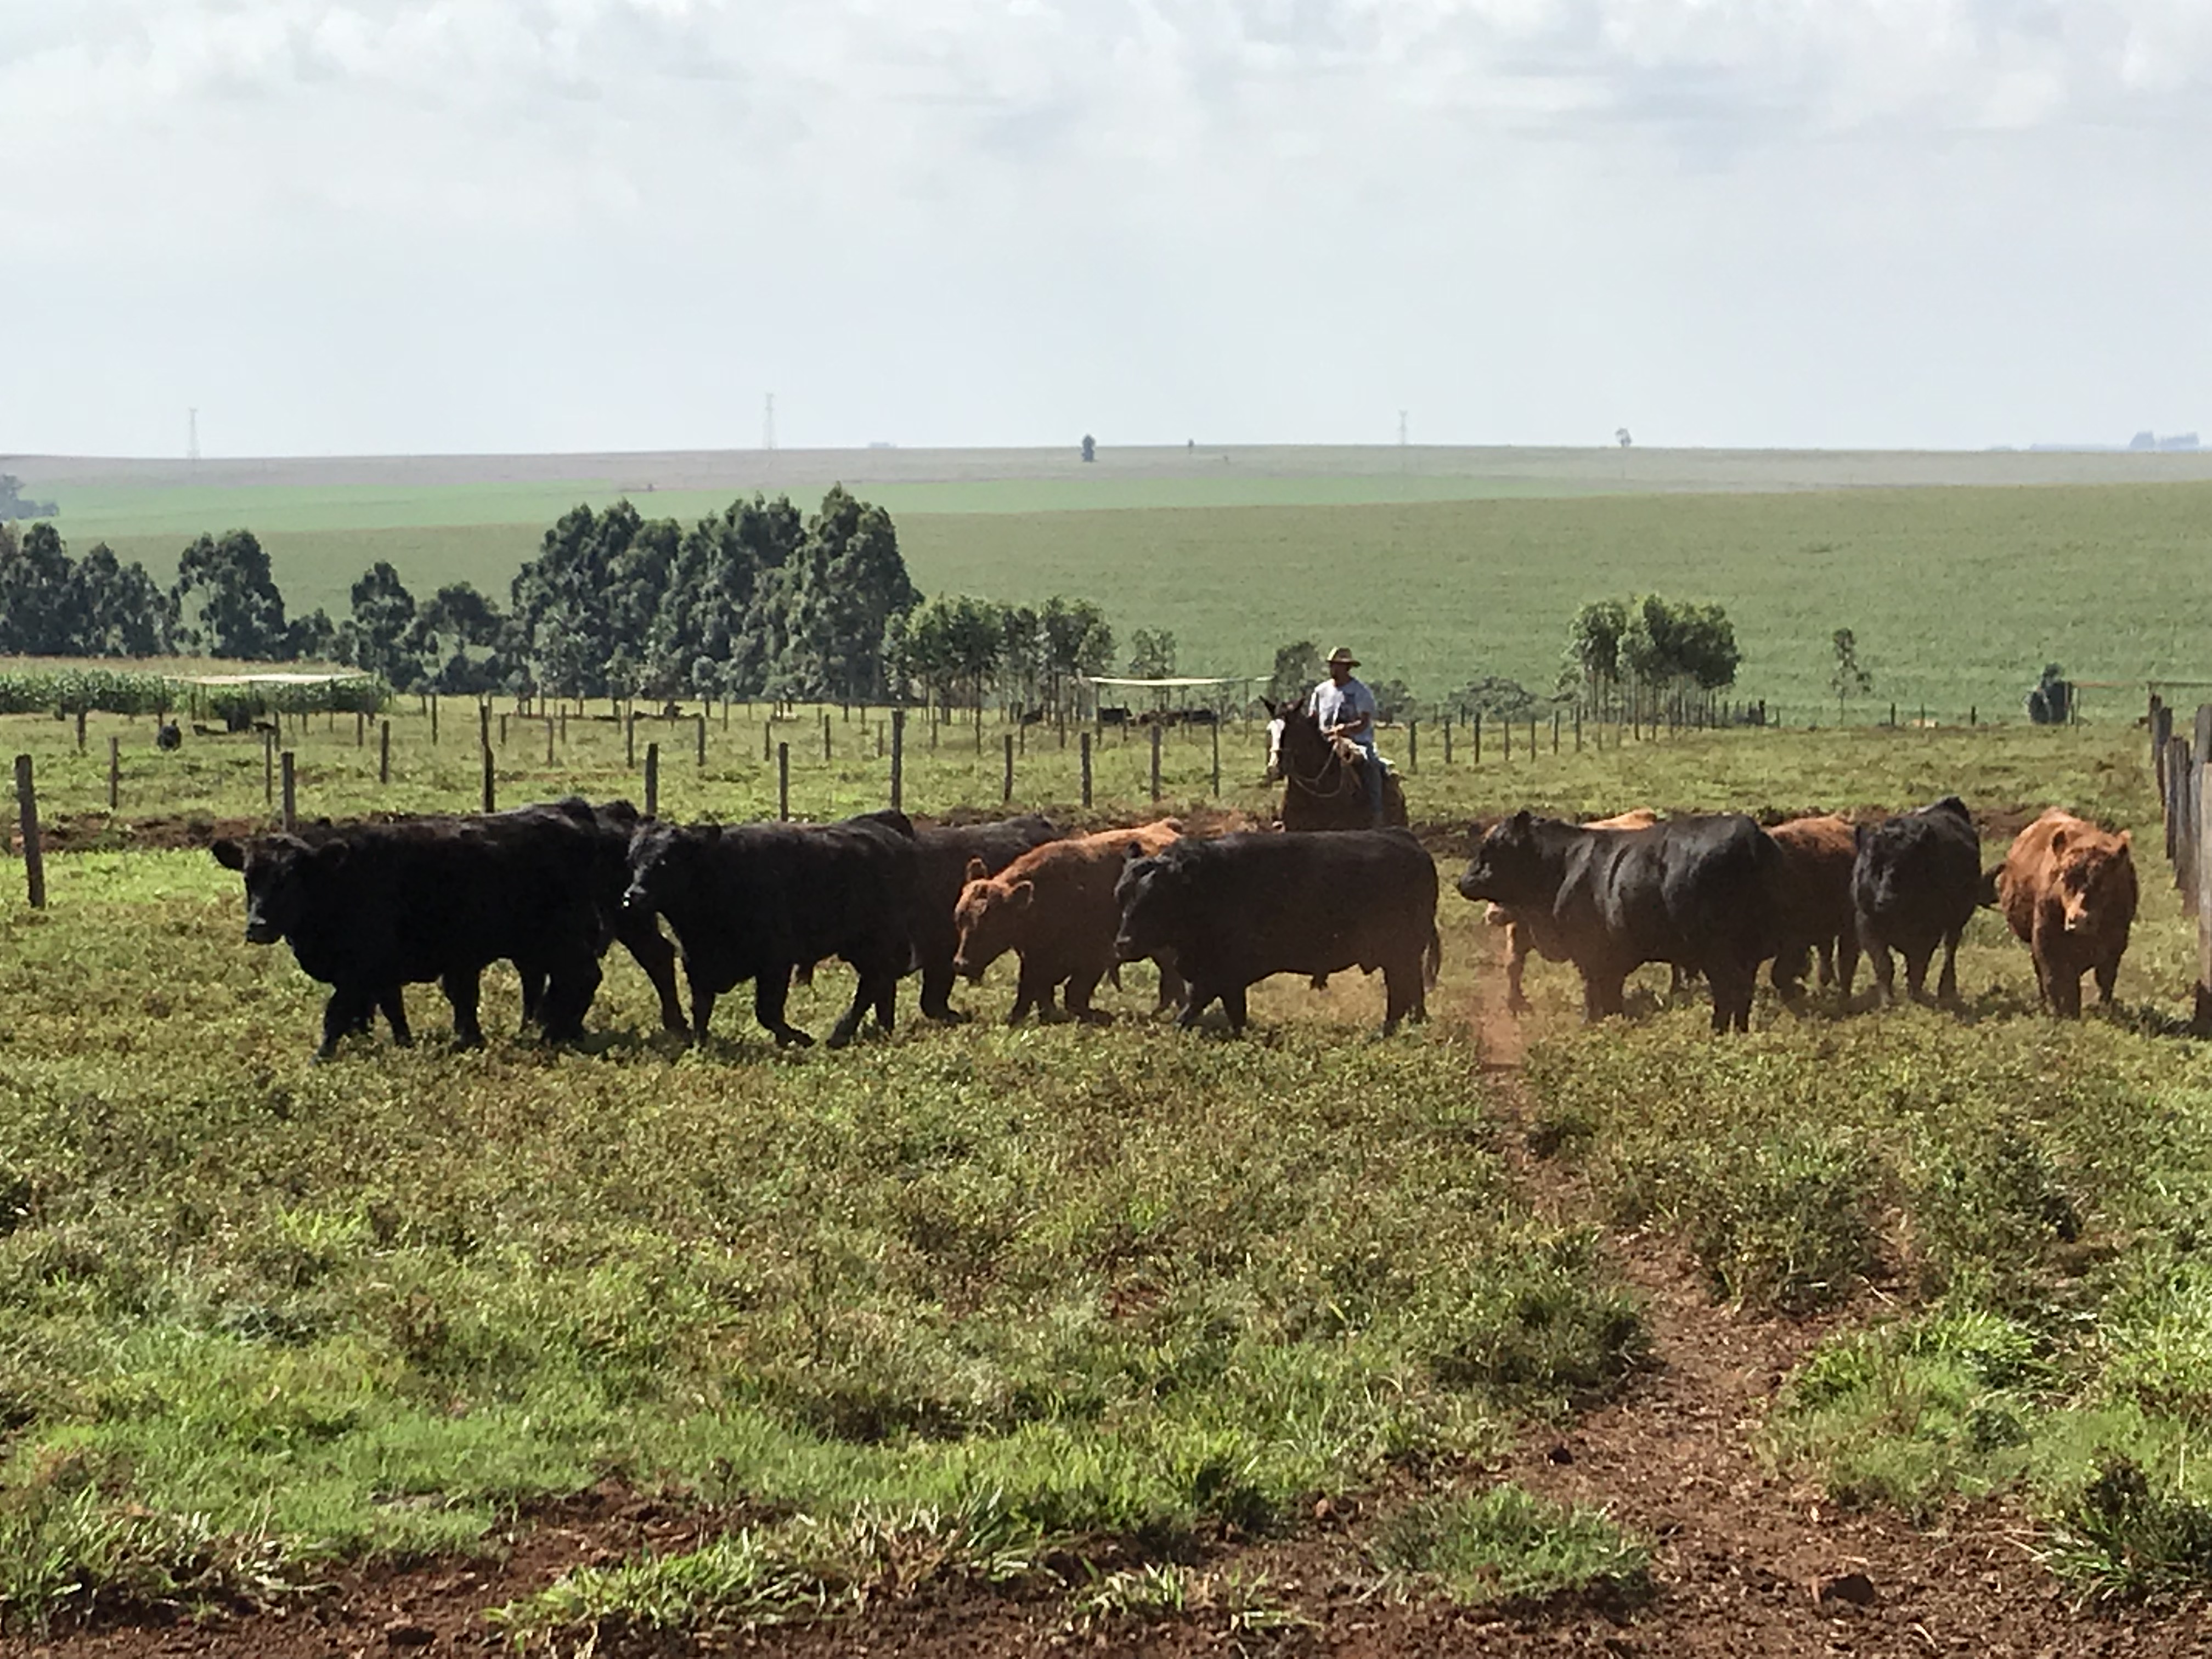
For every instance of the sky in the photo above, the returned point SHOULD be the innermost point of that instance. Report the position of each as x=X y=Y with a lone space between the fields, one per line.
x=516 y=225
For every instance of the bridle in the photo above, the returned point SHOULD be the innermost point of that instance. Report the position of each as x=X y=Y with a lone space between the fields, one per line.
x=1312 y=786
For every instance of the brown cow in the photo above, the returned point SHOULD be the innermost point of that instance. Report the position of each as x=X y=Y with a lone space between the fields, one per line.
x=1519 y=941
x=1054 y=906
x=1817 y=854
x=2069 y=890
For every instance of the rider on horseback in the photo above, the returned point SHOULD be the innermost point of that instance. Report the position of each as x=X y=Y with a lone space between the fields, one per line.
x=1345 y=709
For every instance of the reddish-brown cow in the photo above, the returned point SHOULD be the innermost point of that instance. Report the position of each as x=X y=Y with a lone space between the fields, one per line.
x=2068 y=890
x=1055 y=907
x=1817 y=854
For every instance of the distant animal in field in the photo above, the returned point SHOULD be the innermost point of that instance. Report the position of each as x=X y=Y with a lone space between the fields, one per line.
x=369 y=908
x=1232 y=911
x=1055 y=907
x=1817 y=920
x=758 y=901
x=1702 y=894
x=2068 y=891
x=1520 y=940
x=1114 y=716
x=167 y=737
x=1916 y=883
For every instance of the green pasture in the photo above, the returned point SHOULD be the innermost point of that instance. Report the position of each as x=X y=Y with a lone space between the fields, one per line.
x=1958 y=596
x=970 y=1303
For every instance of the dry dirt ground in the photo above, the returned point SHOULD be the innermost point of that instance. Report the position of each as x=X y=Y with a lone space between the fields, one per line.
x=1747 y=1562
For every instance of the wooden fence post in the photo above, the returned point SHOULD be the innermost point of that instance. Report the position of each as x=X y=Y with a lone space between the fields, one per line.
x=898 y=760
x=1413 y=747
x=1217 y=757
x=1478 y=737
x=1086 y=745
x=548 y=740
x=491 y=787
x=269 y=769
x=2202 y=1015
x=2161 y=733
x=702 y=739
x=1156 y=762
x=360 y=729
x=80 y=731
x=1006 y=793
x=434 y=719
x=27 y=813
x=825 y=737
x=629 y=741
x=1555 y=731
x=383 y=751
x=1578 y=728
x=1448 y=731
x=1506 y=727
x=653 y=780
x=783 y=780
x=114 y=773
x=291 y=794
x=502 y=731
x=767 y=737
x=1532 y=737
x=484 y=723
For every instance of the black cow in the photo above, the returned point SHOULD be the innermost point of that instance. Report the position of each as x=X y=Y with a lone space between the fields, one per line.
x=759 y=901
x=1915 y=885
x=1231 y=911
x=1702 y=894
x=943 y=855
x=369 y=908
x=167 y=737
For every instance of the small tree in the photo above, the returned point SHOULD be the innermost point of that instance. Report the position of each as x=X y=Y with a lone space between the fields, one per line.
x=1089 y=447
x=1849 y=680
x=1620 y=437
x=2051 y=703
x=1152 y=656
x=1298 y=669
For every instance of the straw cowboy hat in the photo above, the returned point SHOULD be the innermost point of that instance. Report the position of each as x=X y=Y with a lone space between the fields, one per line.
x=1342 y=655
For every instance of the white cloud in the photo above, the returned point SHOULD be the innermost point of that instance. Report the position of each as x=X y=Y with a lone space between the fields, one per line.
x=970 y=219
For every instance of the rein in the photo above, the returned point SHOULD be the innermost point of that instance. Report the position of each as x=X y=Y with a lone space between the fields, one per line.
x=1312 y=785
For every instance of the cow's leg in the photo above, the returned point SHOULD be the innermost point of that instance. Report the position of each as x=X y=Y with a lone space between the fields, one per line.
x=1733 y=984
x=1604 y=992
x=771 y=988
x=1200 y=999
x=464 y=990
x=702 y=1005
x=1516 y=960
x=1400 y=992
x=1916 y=970
x=342 y=1016
x=1791 y=963
x=1032 y=990
x=568 y=998
x=937 y=979
x=1825 y=975
x=1172 y=989
x=533 y=991
x=391 y=1000
x=1232 y=1004
x=641 y=937
x=1080 y=984
x=1947 y=984
x=1847 y=965
x=1885 y=973
x=2108 y=971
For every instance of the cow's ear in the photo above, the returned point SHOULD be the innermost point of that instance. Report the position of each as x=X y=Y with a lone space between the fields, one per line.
x=1020 y=893
x=978 y=870
x=1523 y=822
x=229 y=853
x=2127 y=839
x=332 y=854
x=2057 y=841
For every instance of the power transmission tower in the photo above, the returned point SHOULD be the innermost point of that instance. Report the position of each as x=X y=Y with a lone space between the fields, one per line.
x=767 y=424
x=192 y=435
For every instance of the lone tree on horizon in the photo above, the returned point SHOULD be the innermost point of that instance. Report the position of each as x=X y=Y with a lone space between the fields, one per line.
x=1089 y=447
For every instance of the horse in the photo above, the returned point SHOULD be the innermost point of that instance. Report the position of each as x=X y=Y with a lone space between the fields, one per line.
x=1322 y=789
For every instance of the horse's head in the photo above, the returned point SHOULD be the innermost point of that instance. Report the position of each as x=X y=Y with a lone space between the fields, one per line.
x=1299 y=743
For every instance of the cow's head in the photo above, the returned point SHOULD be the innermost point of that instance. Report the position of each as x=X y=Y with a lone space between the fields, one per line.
x=1148 y=893
x=661 y=859
x=1509 y=866
x=2096 y=877
x=279 y=871
x=992 y=917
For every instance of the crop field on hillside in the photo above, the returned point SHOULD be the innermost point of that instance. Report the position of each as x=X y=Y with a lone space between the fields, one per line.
x=1504 y=1331
x=1958 y=595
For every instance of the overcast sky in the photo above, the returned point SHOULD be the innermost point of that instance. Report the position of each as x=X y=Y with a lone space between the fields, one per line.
x=525 y=225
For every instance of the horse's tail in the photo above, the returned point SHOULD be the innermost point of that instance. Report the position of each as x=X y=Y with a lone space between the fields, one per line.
x=1432 y=959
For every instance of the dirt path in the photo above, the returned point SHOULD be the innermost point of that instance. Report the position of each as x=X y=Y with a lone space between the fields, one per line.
x=1747 y=1562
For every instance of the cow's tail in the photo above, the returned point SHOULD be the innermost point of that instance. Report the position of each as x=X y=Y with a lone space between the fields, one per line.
x=1432 y=959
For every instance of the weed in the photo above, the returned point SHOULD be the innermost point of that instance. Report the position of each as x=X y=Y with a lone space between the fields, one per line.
x=1506 y=1543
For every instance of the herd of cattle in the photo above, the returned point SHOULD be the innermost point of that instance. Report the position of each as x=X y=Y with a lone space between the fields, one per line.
x=369 y=908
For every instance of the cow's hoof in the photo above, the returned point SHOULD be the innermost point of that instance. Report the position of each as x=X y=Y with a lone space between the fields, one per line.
x=946 y=1016
x=791 y=1037
x=1519 y=1005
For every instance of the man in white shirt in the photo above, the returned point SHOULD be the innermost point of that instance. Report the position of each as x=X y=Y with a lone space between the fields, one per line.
x=1346 y=708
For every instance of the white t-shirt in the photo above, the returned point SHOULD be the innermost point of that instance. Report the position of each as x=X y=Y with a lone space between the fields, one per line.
x=1337 y=705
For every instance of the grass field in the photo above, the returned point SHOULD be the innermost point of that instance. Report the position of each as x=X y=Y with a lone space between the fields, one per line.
x=1460 y=565
x=968 y=1295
